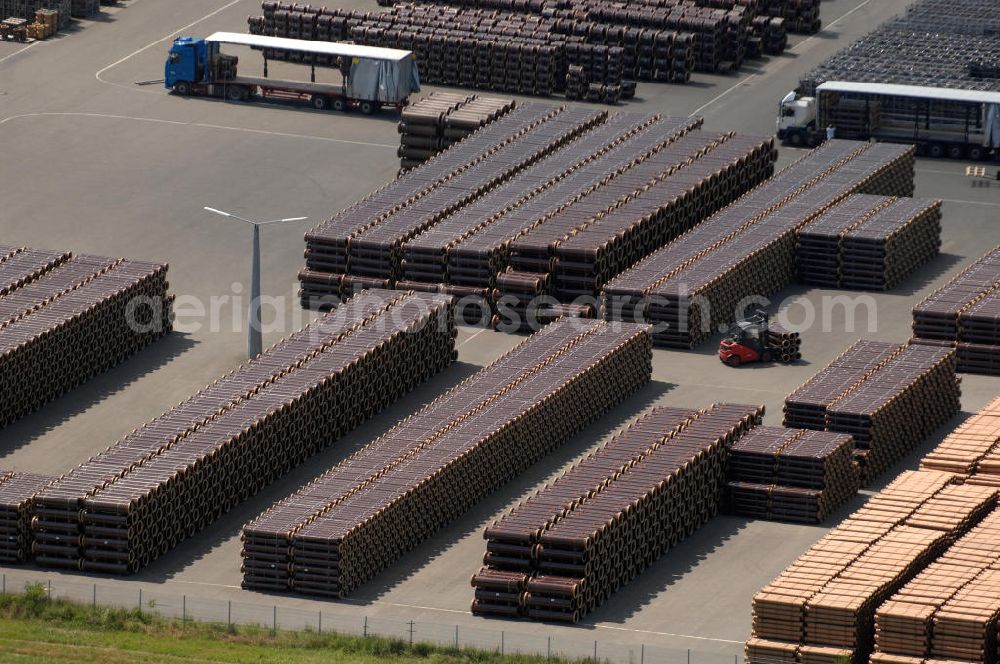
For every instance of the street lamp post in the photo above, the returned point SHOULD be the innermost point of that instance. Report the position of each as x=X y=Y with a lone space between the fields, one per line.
x=254 y=342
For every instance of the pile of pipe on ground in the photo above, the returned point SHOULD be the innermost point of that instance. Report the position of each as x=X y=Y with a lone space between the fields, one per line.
x=869 y=242
x=691 y=287
x=586 y=49
x=362 y=515
x=16 y=493
x=442 y=119
x=541 y=238
x=65 y=318
x=787 y=343
x=822 y=608
x=972 y=449
x=889 y=397
x=793 y=475
x=566 y=549
x=177 y=474
x=965 y=314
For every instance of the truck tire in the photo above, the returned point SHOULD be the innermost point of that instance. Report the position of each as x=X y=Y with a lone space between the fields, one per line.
x=976 y=153
x=369 y=107
x=236 y=93
x=935 y=150
x=320 y=102
x=795 y=139
x=339 y=104
x=182 y=88
x=955 y=152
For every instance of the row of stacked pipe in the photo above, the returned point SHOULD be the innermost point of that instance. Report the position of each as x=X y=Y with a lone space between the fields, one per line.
x=869 y=242
x=442 y=119
x=910 y=578
x=545 y=202
x=589 y=49
x=563 y=551
x=359 y=517
x=887 y=396
x=691 y=287
x=16 y=491
x=791 y=475
x=168 y=479
x=65 y=318
x=965 y=313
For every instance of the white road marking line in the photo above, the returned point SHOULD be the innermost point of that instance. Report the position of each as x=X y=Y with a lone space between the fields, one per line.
x=201 y=125
x=958 y=200
x=712 y=101
x=17 y=52
x=160 y=41
x=473 y=336
x=937 y=172
x=682 y=636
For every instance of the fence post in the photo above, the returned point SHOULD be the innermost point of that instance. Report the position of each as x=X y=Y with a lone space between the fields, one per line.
x=366 y=627
x=140 y=601
x=689 y=656
x=184 y=608
x=411 y=633
x=320 y=630
x=501 y=642
x=642 y=654
x=456 y=637
x=50 y=590
x=4 y=584
x=274 y=622
x=229 y=615
x=548 y=649
x=595 y=650
x=95 y=595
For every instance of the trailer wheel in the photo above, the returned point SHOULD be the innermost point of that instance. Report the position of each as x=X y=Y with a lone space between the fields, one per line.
x=320 y=103
x=339 y=105
x=182 y=88
x=935 y=150
x=235 y=93
x=976 y=153
x=368 y=107
x=795 y=140
x=955 y=152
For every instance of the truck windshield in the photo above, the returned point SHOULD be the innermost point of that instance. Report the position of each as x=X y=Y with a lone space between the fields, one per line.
x=175 y=58
x=787 y=112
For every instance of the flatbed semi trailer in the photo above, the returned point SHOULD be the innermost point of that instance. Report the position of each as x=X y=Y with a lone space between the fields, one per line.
x=373 y=77
x=941 y=122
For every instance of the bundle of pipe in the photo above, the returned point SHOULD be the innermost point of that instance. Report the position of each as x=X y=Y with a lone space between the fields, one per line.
x=950 y=610
x=973 y=449
x=362 y=515
x=363 y=244
x=691 y=287
x=787 y=343
x=442 y=119
x=822 y=607
x=565 y=550
x=794 y=475
x=65 y=319
x=16 y=493
x=965 y=314
x=869 y=242
x=888 y=397
x=168 y=479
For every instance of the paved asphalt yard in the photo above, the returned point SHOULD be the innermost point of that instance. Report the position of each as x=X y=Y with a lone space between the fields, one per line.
x=94 y=163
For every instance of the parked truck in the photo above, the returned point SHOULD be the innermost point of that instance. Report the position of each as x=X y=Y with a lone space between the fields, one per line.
x=941 y=122
x=372 y=77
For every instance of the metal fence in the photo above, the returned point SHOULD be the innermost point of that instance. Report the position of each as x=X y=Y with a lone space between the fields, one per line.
x=278 y=617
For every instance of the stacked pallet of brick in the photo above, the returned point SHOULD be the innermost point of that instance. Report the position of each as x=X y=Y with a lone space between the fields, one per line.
x=28 y=9
x=821 y=609
x=172 y=477
x=16 y=493
x=65 y=319
x=889 y=397
x=949 y=612
x=869 y=242
x=972 y=449
x=691 y=287
x=442 y=119
x=362 y=247
x=793 y=475
x=965 y=313
x=566 y=549
x=362 y=515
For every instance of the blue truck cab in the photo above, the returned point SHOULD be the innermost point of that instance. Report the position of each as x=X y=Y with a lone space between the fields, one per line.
x=187 y=63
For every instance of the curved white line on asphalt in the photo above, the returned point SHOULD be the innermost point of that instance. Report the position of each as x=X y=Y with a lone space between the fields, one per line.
x=158 y=41
x=17 y=52
x=793 y=48
x=199 y=125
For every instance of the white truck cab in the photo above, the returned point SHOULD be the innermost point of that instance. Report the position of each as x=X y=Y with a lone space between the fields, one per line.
x=797 y=120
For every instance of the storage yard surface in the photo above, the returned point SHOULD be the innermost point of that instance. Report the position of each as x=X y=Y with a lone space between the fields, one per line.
x=95 y=162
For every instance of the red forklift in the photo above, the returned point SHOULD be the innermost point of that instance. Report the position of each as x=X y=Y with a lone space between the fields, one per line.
x=756 y=339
